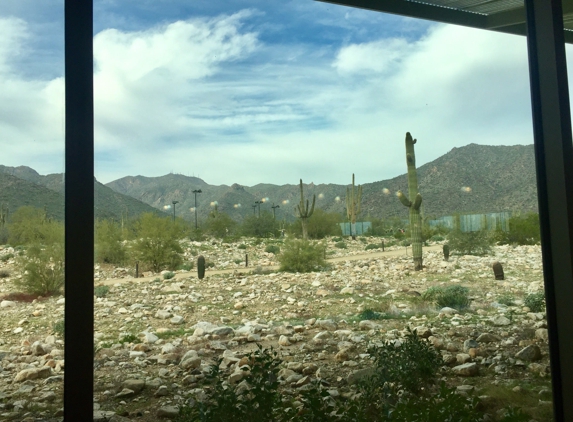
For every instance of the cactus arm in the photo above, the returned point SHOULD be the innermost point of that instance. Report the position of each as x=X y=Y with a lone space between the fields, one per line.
x=312 y=206
x=417 y=202
x=403 y=199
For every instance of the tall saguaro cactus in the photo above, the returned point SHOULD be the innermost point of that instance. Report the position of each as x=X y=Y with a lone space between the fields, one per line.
x=3 y=215
x=353 y=206
x=413 y=202
x=303 y=212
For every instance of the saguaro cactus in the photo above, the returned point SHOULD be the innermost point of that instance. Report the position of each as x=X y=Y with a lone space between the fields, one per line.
x=303 y=212
x=353 y=206
x=3 y=215
x=413 y=203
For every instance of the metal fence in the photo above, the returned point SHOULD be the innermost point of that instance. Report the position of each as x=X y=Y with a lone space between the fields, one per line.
x=361 y=227
x=474 y=222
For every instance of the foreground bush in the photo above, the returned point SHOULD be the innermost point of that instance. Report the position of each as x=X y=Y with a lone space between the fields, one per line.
x=402 y=388
x=470 y=243
x=302 y=256
x=43 y=269
x=523 y=230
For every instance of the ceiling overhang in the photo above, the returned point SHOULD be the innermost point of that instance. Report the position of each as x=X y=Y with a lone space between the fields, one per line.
x=507 y=16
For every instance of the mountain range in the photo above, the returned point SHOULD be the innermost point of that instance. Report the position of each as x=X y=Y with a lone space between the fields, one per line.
x=469 y=179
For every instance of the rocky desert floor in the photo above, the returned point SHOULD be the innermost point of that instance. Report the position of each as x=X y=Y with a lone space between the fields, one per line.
x=156 y=338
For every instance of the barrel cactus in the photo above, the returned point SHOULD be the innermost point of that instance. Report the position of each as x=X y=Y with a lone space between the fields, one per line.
x=201 y=267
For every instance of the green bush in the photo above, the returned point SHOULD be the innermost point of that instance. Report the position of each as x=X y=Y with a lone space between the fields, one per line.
x=168 y=275
x=337 y=239
x=242 y=246
x=4 y=273
x=274 y=249
x=506 y=299
x=188 y=266
x=157 y=244
x=264 y=226
x=101 y=291
x=373 y=246
x=129 y=338
x=59 y=327
x=340 y=245
x=470 y=243
x=535 y=302
x=43 y=269
x=7 y=257
x=451 y=296
x=523 y=230
x=303 y=256
x=220 y=225
x=108 y=243
x=30 y=225
x=320 y=225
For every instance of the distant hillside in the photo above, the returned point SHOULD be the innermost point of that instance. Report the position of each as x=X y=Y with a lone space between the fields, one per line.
x=16 y=193
x=472 y=178
x=24 y=186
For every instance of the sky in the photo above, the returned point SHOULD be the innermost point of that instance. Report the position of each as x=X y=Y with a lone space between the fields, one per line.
x=253 y=91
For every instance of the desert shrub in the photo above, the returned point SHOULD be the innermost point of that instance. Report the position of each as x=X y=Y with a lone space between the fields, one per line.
x=43 y=269
x=340 y=245
x=337 y=239
x=4 y=235
x=238 y=261
x=373 y=246
x=437 y=238
x=264 y=226
x=369 y=314
x=108 y=243
x=523 y=230
x=258 y=398
x=101 y=291
x=535 y=302
x=187 y=266
x=4 y=273
x=30 y=225
x=301 y=255
x=7 y=257
x=274 y=249
x=168 y=275
x=157 y=244
x=451 y=296
x=242 y=246
x=506 y=299
x=220 y=225
x=128 y=338
x=319 y=225
x=59 y=327
x=470 y=243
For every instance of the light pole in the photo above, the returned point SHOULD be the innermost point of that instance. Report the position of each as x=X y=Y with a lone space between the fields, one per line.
x=254 y=208
x=174 y=202
x=274 y=207
x=259 y=204
x=196 y=191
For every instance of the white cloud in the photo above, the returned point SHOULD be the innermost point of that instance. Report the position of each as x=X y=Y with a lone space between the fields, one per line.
x=206 y=96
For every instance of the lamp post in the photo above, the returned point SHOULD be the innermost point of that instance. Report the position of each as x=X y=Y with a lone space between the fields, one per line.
x=259 y=204
x=274 y=207
x=174 y=202
x=196 y=191
x=254 y=208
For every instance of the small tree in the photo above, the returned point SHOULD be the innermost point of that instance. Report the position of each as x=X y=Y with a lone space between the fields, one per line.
x=220 y=225
x=157 y=243
x=320 y=225
x=109 y=247
x=30 y=226
x=263 y=226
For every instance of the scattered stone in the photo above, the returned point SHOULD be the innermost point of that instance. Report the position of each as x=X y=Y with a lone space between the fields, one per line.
x=466 y=370
x=530 y=353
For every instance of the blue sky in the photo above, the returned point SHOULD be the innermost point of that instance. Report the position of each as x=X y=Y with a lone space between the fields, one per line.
x=254 y=91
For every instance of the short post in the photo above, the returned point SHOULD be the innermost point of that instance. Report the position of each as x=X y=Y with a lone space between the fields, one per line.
x=136 y=269
x=498 y=271
x=382 y=245
x=246 y=260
